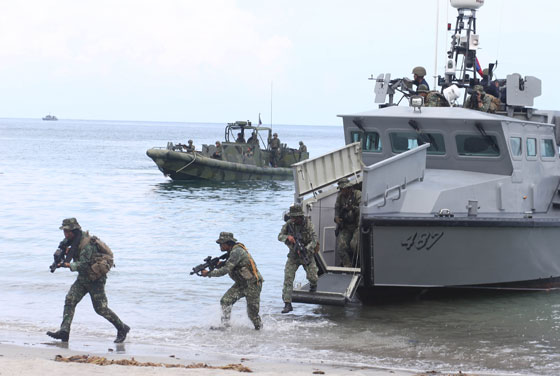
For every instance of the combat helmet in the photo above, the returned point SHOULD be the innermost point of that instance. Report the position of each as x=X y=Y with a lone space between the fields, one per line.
x=296 y=211
x=190 y=141
x=344 y=183
x=226 y=237
x=70 y=224
x=422 y=89
x=419 y=71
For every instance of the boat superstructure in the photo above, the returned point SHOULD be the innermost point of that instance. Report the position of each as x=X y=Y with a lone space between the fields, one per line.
x=451 y=197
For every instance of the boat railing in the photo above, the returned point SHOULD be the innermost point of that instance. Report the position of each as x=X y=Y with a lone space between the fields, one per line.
x=316 y=173
x=384 y=182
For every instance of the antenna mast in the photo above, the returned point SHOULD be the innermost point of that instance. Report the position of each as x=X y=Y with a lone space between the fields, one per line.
x=461 y=58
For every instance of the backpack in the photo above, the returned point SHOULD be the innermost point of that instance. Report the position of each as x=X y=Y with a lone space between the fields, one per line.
x=102 y=260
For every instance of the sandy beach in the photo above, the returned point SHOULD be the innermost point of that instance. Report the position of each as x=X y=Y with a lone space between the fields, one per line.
x=33 y=360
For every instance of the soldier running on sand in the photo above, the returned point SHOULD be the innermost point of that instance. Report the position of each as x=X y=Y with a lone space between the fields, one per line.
x=84 y=253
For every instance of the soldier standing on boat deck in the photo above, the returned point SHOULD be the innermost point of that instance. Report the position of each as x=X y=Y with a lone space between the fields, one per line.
x=298 y=226
x=190 y=146
x=248 y=281
x=347 y=218
x=274 y=150
x=84 y=252
x=253 y=140
x=302 y=147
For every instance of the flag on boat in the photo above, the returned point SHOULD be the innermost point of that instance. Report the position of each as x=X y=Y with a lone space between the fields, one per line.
x=478 y=67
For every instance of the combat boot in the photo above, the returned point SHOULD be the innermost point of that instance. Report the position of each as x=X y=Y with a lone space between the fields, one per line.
x=287 y=308
x=313 y=288
x=61 y=335
x=121 y=334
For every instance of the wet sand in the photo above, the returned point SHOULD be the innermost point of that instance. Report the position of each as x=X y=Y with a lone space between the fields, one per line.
x=31 y=361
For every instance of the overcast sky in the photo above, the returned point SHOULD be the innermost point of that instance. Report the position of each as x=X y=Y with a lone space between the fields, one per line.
x=216 y=60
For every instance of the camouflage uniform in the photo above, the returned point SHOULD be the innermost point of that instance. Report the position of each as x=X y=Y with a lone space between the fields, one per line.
x=190 y=146
x=347 y=208
x=485 y=100
x=218 y=153
x=309 y=240
x=84 y=285
x=248 y=281
x=302 y=147
x=274 y=150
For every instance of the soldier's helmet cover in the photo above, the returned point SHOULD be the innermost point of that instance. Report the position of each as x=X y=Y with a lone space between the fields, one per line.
x=422 y=89
x=478 y=88
x=301 y=142
x=296 y=211
x=226 y=237
x=344 y=183
x=70 y=224
x=275 y=134
x=190 y=141
x=419 y=71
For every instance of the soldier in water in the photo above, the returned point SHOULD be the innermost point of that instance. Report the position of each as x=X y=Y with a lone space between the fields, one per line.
x=298 y=231
x=248 y=281
x=347 y=218
x=85 y=251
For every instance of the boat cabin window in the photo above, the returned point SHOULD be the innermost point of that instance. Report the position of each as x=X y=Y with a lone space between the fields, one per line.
x=403 y=141
x=370 y=142
x=531 y=147
x=477 y=145
x=547 y=148
x=515 y=143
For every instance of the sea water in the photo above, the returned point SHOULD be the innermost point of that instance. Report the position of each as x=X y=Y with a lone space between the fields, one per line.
x=98 y=172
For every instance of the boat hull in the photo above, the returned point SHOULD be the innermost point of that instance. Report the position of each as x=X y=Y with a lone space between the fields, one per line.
x=193 y=166
x=515 y=254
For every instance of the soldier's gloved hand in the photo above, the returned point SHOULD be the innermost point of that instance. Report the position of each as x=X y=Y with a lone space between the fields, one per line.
x=291 y=239
x=204 y=273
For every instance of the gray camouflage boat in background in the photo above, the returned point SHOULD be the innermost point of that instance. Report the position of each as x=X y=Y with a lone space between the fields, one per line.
x=451 y=197
x=237 y=161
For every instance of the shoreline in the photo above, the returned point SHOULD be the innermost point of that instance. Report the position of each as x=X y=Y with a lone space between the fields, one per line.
x=28 y=355
x=29 y=361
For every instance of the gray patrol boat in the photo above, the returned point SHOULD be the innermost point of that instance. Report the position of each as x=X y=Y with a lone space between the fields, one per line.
x=451 y=197
x=238 y=159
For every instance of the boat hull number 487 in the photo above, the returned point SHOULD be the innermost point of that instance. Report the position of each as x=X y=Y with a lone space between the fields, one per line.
x=421 y=240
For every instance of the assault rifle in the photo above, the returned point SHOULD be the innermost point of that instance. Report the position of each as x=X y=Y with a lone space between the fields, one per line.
x=210 y=264
x=60 y=256
x=299 y=246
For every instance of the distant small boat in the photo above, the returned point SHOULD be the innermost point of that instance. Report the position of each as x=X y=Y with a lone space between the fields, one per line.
x=50 y=117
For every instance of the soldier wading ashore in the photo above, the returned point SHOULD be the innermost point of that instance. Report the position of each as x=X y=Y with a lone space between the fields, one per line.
x=92 y=260
x=248 y=281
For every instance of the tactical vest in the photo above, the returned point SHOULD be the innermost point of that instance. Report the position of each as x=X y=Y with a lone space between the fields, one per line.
x=101 y=261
